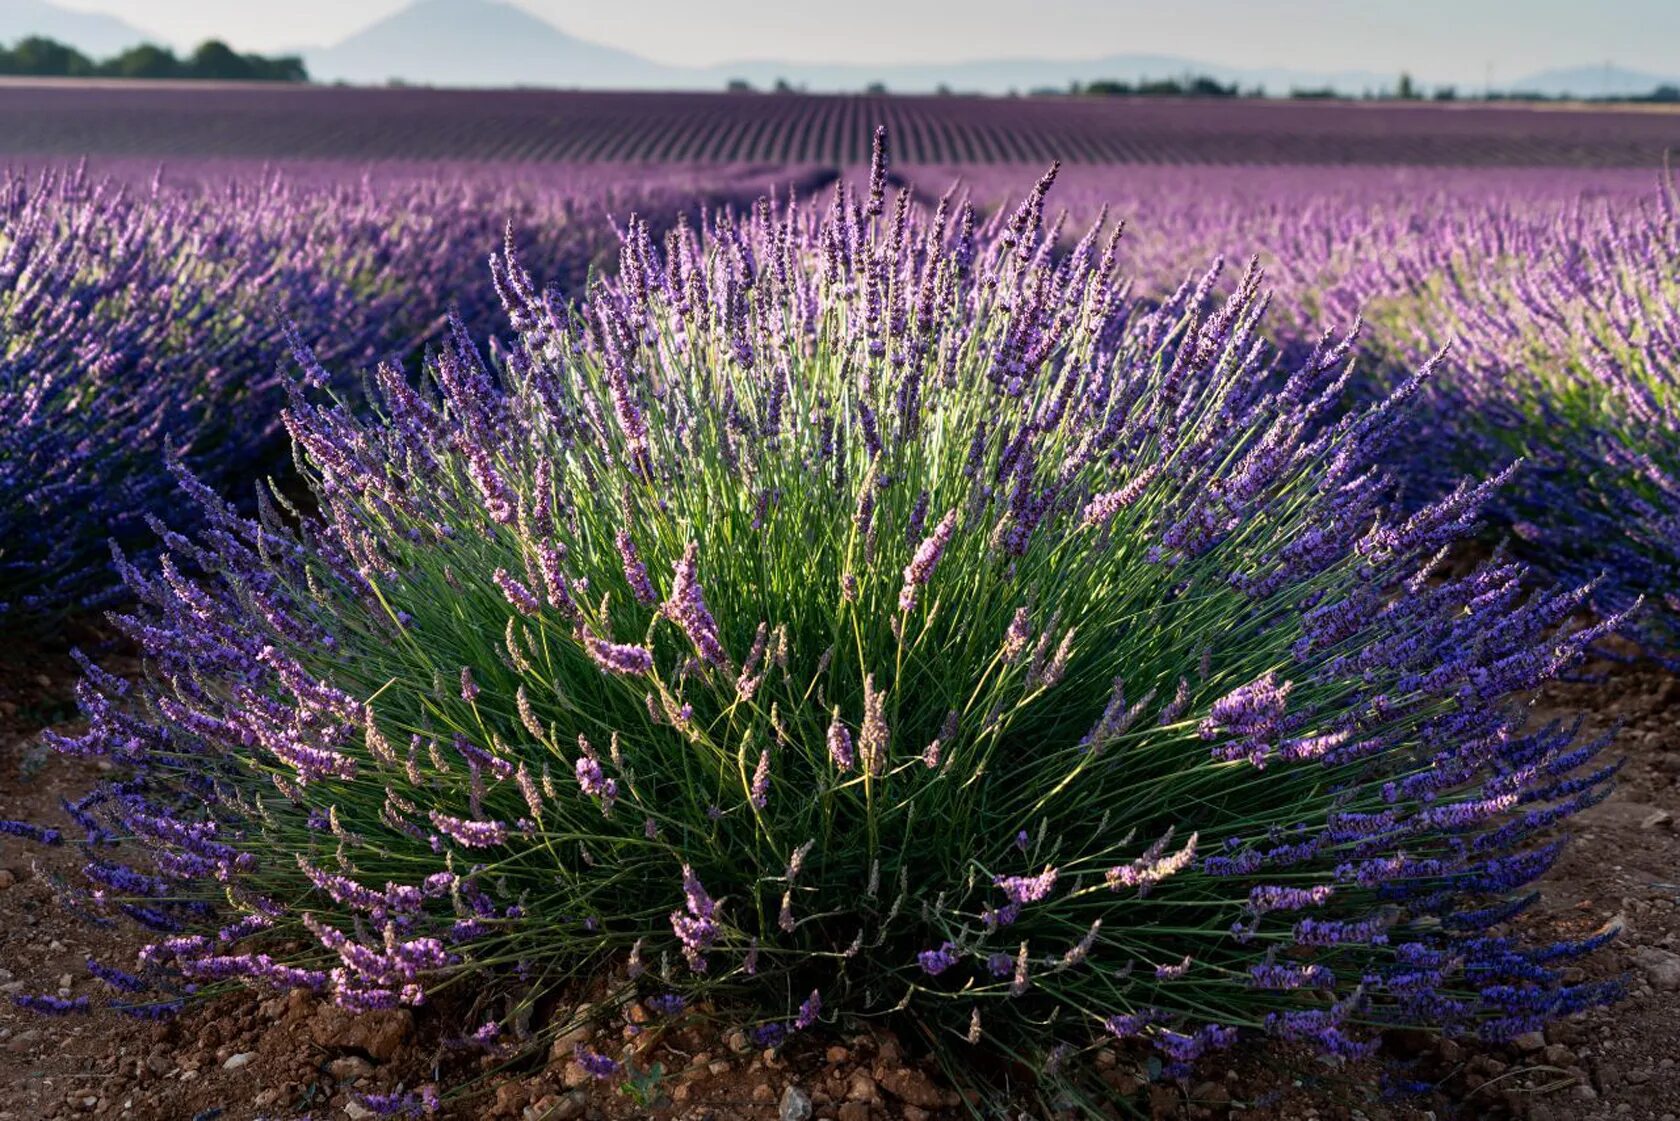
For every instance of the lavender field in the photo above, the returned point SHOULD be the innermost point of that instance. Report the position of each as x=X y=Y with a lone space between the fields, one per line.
x=552 y=605
x=537 y=126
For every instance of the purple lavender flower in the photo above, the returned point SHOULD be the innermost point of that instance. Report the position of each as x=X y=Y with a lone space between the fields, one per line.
x=687 y=608
x=618 y=658
x=521 y=597
x=760 y=792
x=597 y=1065
x=920 y=569
x=635 y=572
x=667 y=1004
x=809 y=1011
x=473 y=834
x=935 y=962
x=840 y=742
x=36 y=833
x=594 y=782
x=51 y=1005
x=1027 y=889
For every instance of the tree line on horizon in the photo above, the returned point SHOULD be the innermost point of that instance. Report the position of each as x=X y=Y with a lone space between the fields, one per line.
x=39 y=57
x=1203 y=86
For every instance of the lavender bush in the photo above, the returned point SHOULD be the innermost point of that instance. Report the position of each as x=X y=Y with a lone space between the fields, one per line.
x=844 y=614
x=144 y=322
x=1557 y=296
x=1568 y=358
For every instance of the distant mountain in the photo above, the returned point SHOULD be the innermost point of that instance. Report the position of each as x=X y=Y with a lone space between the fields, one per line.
x=1593 y=81
x=481 y=43
x=496 y=43
x=94 y=34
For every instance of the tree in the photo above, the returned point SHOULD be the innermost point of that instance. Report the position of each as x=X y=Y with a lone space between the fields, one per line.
x=1407 y=91
x=739 y=85
x=38 y=57
x=144 y=61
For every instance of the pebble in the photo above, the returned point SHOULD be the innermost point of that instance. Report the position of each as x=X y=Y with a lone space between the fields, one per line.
x=795 y=1106
x=1660 y=967
x=349 y=1068
x=234 y=1062
x=861 y=1088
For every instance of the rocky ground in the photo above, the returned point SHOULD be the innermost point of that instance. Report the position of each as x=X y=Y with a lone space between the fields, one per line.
x=290 y=1056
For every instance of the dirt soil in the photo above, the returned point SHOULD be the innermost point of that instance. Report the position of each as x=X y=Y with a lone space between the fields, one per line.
x=251 y=1056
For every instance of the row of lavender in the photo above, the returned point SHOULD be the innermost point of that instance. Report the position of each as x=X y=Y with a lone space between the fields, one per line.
x=1554 y=295
x=142 y=313
x=851 y=607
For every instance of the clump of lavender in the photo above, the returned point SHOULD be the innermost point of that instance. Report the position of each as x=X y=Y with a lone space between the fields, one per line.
x=929 y=626
x=145 y=325
x=1566 y=353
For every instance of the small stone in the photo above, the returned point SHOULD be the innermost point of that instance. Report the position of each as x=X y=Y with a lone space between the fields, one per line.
x=1660 y=967
x=1584 y=1093
x=574 y=1075
x=718 y=1068
x=349 y=1068
x=1656 y=819
x=795 y=1105
x=916 y=1113
x=234 y=1062
x=1558 y=1055
x=862 y=1088
x=571 y=1106
x=567 y=1043
x=510 y=1099
x=356 y=1111
x=763 y=1094
x=6 y=878
x=910 y=1085
x=837 y=1054
x=854 y=1111
x=1530 y=1042
x=379 y=1034
x=1638 y=1077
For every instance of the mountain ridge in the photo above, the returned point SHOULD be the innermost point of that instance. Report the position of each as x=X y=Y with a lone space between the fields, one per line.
x=93 y=33
x=494 y=43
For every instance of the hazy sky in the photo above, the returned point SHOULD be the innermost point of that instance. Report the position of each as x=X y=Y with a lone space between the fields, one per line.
x=1439 y=40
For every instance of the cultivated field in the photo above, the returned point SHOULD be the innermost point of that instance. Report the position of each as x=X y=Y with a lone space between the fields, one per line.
x=92 y=119
x=640 y=606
